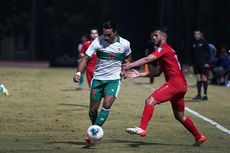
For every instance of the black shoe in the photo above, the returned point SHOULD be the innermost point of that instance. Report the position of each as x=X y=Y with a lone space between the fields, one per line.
x=205 y=97
x=198 y=97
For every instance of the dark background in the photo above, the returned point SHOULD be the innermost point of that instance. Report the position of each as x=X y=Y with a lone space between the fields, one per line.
x=45 y=30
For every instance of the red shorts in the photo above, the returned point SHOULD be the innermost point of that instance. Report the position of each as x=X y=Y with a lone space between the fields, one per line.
x=173 y=92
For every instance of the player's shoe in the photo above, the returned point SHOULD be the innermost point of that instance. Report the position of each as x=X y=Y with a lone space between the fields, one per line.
x=136 y=130
x=205 y=97
x=200 y=140
x=4 y=90
x=88 y=141
x=197 y=97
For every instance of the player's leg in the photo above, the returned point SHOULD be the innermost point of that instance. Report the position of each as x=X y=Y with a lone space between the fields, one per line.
x=178 y=106
x=111 y=90
x=3 y=90
x=95 y=99
x=145 y=119
x=198 y=86
x=199 y=82
x=104 y=112
x=204 y=78
x=162 y=94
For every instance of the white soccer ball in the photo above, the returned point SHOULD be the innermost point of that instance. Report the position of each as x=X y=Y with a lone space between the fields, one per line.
x=95 y=133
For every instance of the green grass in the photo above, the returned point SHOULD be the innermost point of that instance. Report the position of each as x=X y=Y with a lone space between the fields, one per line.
x=44 y=113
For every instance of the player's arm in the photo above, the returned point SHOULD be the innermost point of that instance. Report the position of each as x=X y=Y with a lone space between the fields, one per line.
x=83 y=50
x=88 y=54
x=127 y=60
x=139 y=62
x=80 y=68
x=132 y=74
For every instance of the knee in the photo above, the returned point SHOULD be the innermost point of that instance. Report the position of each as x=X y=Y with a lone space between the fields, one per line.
x=180 y=118
x=92 y=110
x=106 y=106
x=150 y=101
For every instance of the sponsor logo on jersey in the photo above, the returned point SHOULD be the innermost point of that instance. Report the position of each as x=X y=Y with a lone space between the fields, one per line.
x=159 y=49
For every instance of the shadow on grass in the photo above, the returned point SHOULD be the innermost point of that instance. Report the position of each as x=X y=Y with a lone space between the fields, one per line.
x=130 y=143
x=72 y=89
x=136 y=144
x=193 y=100
x=79 y=143
x=77 y=105
x=142 y=83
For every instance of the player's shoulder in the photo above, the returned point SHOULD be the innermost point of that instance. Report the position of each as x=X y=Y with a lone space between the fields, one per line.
x=123 y=40
x=167 y=47
x=97 y=41
x=163 y=47
x=87 y=43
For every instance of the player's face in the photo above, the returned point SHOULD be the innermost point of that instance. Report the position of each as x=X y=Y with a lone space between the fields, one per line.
x=157 y=37
x=109 y=35
x=197 y=35
x=93 y=34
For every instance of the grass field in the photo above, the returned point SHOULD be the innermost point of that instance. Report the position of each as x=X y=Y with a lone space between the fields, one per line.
x=45 y=114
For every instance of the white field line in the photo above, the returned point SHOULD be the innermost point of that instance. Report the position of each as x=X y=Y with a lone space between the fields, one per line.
x=217 y=125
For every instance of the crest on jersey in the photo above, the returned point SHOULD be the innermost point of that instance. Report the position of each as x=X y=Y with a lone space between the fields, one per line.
x=159 y=49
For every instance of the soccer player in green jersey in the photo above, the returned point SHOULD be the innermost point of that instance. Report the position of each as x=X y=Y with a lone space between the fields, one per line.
x=111 y=50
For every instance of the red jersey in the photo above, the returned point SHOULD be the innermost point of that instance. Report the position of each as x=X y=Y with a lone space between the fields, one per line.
x=92 y=61
x=169 y=63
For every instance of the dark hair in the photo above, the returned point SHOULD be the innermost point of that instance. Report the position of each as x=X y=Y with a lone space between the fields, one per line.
x=92 y=28
x=163 y=29
x=199 y=29
x=110 y=25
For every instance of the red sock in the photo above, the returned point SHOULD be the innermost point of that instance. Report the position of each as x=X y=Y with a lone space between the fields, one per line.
x=146 y=116
x=188 y=124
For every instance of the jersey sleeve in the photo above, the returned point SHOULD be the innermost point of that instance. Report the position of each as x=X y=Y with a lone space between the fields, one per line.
x=84 y=48
x=92 y=48
x=127 y=49
x=158 y=52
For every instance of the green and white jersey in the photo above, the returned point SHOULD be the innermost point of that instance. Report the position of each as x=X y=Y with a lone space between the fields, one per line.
x=110 y=57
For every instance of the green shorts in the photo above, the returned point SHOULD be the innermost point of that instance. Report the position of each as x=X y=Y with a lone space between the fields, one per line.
x=102 y=88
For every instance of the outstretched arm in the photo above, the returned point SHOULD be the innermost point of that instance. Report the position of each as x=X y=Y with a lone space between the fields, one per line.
x=133 y=74
x=139 y=62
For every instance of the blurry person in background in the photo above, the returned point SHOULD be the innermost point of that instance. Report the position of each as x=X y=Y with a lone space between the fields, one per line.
x=201 y=64
x=84 y=38
x=90 y=65
x=222 y=67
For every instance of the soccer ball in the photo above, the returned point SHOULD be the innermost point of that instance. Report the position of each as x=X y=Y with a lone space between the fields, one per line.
x=95 y=133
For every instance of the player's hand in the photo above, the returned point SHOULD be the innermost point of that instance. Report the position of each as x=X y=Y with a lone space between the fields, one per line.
x=132 y=74
x=126 y=66
x=122 y=74
x=76 y=77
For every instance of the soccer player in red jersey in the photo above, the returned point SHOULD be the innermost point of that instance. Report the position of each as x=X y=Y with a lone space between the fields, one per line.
x=90 y=65
x=173 y=90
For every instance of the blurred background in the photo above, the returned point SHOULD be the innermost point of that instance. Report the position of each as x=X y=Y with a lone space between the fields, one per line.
x=50 y=30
